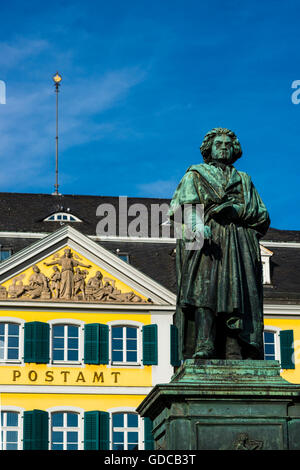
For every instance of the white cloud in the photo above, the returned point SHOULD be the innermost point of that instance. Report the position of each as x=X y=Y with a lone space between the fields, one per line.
x=27 y=121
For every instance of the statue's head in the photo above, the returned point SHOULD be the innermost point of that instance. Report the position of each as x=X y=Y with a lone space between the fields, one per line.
x=36 y=269
x=68 y=253
x=221 y=144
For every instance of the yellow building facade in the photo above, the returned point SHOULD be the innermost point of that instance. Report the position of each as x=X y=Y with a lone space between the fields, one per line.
x=76 y=363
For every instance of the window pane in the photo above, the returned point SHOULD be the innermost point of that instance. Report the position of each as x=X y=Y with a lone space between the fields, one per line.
x=117 y=356
x=13 y=329
x=269 y=349
x=5 y=254
x=58 y=330
x=12 y=446
x=72 y=437
x=13 y=342
x=57 y=437
x=118 y=437
x=117 y=332
x=57 y=419
x=131 y=344
x=73 y=331
x=131 y=332
x=58 y=343
x=73 y=343
x=268 y=337
x=72 y=420
x=2 y=326
x=12 y=418
x=72 y=355
x=118 y=420
x=132 y=356
x=1 y=353
x=132 y=420
x=12 y=354
x=12 y=436
x=133 y=437
x=117 y=344
x=58 y=355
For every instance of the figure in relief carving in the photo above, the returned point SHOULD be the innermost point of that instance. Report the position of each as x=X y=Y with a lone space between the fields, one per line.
x=67 y=263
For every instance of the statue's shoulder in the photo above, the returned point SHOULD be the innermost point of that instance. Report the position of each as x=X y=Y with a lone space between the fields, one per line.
x=199 y=168
x=245 y=177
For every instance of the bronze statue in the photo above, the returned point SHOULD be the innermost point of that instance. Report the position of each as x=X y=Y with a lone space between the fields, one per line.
x=220 y=295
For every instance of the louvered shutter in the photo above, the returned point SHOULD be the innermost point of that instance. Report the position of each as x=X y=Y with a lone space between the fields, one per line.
x=174 y=353
x=104 y=344
x=150 y=345
x=36 y=342
x=287 y=349
x=96 y=430
x=149 y=440
x=35 y=430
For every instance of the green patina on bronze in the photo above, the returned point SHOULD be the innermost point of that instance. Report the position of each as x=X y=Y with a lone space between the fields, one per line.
x=220 y=294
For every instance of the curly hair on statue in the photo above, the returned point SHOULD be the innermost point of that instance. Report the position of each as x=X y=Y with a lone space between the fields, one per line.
x=205 y=148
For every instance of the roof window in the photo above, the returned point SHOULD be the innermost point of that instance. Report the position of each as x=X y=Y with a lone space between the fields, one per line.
x=62 y=217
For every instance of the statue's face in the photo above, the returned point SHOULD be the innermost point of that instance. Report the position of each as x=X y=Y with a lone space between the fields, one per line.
x=222 y=149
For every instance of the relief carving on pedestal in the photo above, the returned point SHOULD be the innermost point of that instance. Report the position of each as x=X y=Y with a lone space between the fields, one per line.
x=243 y=442
x=68 y=282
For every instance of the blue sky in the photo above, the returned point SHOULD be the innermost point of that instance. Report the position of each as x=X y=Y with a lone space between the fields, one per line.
x=143 y=81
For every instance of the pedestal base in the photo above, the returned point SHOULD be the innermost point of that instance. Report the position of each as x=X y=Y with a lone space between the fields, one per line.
x=225 y=405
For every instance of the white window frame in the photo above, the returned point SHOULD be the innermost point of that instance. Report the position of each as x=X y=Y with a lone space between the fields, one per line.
x=125 y=430
x=122 y=324
x=67 y=322
x=19 y=428
x=20 y=359
x=59 y=217
x=276 y=331
x=65 y=429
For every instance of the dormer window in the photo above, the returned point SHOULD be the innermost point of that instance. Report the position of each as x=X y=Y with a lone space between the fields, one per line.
x=62 y=217
x=265 y=259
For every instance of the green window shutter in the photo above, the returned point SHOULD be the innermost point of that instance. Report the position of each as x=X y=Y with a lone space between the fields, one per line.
x=150 y=345
x=92 y=343
x=96 y=430
x=91 y=430
x=35 y=430
x=287 y=349
x=148 y=440
x=104 y=342
x=104 y=430
x=174 y=353
x=36 y=342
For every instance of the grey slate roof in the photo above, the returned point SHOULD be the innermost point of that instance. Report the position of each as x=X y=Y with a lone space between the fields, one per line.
x=21 y=212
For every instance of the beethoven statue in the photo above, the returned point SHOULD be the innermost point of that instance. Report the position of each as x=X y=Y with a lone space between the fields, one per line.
x=220 y=293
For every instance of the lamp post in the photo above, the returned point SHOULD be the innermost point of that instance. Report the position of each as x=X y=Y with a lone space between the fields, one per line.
x=57 y=79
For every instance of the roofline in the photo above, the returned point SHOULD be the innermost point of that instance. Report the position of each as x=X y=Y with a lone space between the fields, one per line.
x=93 y=251
x=39 y=235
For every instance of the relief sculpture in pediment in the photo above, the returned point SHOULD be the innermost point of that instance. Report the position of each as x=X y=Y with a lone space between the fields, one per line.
x=68 y=282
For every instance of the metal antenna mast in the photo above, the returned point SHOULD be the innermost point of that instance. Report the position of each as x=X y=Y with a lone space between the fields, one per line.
x=57 y=79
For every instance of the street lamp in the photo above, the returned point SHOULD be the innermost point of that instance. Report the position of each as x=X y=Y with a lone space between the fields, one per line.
x=57 y=79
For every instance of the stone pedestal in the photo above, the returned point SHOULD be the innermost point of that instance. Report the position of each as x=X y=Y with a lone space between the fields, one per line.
x=225 y=405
